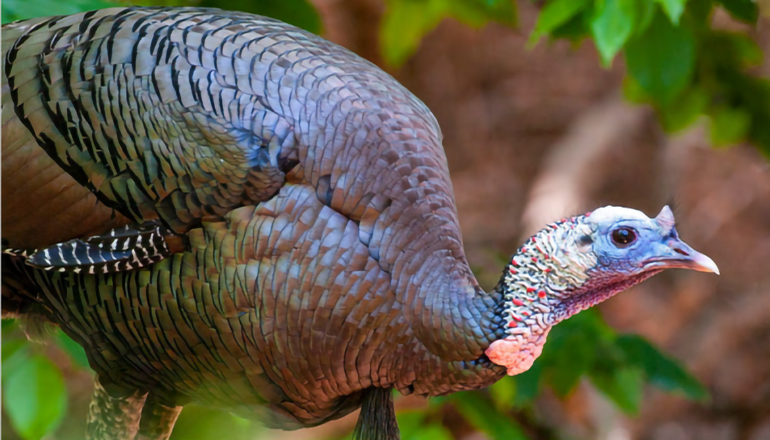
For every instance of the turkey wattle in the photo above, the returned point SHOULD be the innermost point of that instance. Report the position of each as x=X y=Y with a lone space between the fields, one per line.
x=224 y=209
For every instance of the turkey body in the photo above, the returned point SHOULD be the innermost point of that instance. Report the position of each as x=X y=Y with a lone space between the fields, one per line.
x=321 y=256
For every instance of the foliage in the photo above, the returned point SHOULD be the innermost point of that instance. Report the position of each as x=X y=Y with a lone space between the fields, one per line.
x=676 y=60
x=34 y=395
x=297 y=12
x=406 y=22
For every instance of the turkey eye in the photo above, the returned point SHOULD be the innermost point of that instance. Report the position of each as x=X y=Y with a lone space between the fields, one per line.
x=623 y=237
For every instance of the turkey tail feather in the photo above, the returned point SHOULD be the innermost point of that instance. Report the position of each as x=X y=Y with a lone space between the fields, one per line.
x=377 y=420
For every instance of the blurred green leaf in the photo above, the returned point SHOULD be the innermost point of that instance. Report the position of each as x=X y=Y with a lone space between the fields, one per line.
x=9 y=325
x=410 y=422
x=567 y=359
x=196 y=423
x=433 y=431
x=743 y=10
x=554 y=14
x=633 y=92
x=73 y=349
x=571 y=350
x=684 y=110
x=405 y=23
x=300 y=13
x=15 y=354
x=645 y=11
x=660 y=369
x=13 y=10
x=612 y=25
x=503 y=393
x=662 y=59
x=482 y=415
x=673 y=9
x=729 y=126
x=576 y=28
x=478 y=13
x=528 y=384
x=622 y=385
x=35 y=398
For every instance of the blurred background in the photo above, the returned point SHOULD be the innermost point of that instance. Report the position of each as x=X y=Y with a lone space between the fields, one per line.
x=549 y=108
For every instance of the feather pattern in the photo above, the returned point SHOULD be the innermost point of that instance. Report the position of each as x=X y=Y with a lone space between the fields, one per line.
x=323 y=255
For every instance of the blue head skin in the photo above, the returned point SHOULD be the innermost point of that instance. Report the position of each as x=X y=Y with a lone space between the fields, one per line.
x=577 y=263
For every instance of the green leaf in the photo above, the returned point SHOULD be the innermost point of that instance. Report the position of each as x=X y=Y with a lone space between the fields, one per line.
x=73 y=349
x=554 y=14
x=15 y=355
x=477 y=13
x=482 y=415
x=196 y=423
x=684 y=110
x=404 y=25
x=611 y=26
x=673 y=9
x=528 y=384
x=729 y=126
x=433 y=431
x=622 y=385
x=568 y=358
x=410 y=422
x=35 y=398
x=503 y=393
x=660 y=369
x=299 y=13
x=571 y=350
x=9 y=325
x=575 y=29
x=662 y=59
x=645 y=11
x=743 y=10
x=13 y=10
x=633 y=92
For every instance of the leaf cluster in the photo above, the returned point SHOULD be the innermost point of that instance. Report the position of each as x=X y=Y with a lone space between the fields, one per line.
x=676 y=59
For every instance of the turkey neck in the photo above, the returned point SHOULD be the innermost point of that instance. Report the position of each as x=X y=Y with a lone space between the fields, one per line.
x=540 y=286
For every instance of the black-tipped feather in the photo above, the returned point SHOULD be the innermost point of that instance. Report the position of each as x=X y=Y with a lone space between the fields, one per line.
x=125 y=248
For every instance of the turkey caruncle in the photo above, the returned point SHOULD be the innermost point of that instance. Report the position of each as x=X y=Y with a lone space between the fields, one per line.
x=224 y=209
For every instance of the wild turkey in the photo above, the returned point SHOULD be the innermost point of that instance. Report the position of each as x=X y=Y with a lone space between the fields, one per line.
x=300 y=202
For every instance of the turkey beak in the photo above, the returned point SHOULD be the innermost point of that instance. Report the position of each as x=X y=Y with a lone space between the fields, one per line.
x=678 y=254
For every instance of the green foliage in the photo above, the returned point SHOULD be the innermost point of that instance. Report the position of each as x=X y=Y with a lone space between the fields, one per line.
x=555 y=15
x=676 y=61
x=35 y=397
x=673 y=9
x=662 y=59
x=196 y=423
x=662 y=371
x=406 y=22
x=481 y=413
x=419 y=425
x=584 y=346
x=13 y=10
x=300 y=13
x=743 y=10
x=73 y=349
x=612 y=26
